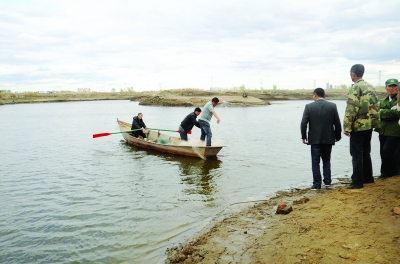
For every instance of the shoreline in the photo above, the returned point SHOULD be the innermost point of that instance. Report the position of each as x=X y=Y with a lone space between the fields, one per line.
x=336 y=225
x=180 y=97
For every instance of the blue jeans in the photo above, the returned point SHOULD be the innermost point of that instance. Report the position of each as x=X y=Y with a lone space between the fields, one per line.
x=360 y=151
x=318 y=152
x=205 y=132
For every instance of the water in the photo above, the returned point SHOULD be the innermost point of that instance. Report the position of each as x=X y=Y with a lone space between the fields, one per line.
x=68 y=198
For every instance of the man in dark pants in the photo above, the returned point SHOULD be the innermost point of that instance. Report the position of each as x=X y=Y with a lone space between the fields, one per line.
x=324 y=129
x=362 y=115
x=389 y=131
x=188 y=123
x=138 y=123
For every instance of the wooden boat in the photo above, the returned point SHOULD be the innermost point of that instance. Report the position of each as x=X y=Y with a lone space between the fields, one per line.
x=174 y=145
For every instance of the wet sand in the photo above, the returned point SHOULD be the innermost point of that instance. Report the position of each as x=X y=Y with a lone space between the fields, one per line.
x=336 y=225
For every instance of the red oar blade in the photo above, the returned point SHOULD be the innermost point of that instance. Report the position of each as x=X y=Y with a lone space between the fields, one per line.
x=101 y=135
x=190 y=132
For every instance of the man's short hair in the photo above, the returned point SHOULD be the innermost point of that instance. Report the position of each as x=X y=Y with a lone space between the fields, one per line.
x=139 y=114
x=215 y=100
x=197 y=109
x=319 y=92
x=358 y=70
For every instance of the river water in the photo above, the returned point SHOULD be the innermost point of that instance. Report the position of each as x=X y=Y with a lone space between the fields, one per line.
x=68 y=198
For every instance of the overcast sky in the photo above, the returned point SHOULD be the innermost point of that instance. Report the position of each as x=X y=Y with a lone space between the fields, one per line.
x=152 y=45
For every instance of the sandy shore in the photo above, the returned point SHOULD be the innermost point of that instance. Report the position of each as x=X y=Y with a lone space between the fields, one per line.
x=336 y=225
x=199 y=101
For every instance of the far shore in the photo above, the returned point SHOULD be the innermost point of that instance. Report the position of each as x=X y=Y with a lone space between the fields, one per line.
x=177 y=97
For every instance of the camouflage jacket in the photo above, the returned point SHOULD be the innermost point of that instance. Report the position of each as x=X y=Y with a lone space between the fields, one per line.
x=389 y=118
x=362 y=110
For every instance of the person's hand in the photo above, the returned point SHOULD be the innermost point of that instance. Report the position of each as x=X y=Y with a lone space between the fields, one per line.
x=218 y=120
x=304 y=141
x=396 y=107
x=347 y=133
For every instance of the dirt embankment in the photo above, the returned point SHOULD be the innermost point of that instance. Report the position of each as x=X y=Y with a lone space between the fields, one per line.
x=176 y=97
x=336 y=225
x=199 y=101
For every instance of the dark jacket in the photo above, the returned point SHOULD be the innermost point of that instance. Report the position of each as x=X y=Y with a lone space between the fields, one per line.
x=137 y=123
x=190 y=121
x=389 y=118
x=323 y=123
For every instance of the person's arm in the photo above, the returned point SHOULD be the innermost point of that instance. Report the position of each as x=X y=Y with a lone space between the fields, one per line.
x=338 y=126
x=193 y=120
x=216 y=116
x=303 y=125
x=135 y=125
x=353 y=105
x=388 y=112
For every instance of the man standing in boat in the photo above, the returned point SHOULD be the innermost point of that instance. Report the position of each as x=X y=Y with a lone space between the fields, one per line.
x=205 y=118
x=188 y=123
x=138 y=123
x=324 y=129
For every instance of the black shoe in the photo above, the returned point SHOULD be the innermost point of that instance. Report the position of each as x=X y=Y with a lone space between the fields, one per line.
x=369 y=182
x=351 y=186
x=315 y=188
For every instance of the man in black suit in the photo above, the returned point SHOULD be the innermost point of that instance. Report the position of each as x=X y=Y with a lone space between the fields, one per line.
x=324 y=129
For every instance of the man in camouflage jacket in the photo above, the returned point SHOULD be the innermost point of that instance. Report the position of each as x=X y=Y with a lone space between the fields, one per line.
x=389 y=131
x=362 y=115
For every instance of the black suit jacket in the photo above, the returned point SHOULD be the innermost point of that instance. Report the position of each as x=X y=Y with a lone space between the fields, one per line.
x=323 y=123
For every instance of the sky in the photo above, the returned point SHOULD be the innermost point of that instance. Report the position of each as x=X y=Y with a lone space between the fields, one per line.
x=168 y=44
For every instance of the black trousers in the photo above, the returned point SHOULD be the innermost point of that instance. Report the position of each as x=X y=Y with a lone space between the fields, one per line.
x=398 y=159
x=139 y=133
x=183 y=134
x=360 y=151
x=388 y=147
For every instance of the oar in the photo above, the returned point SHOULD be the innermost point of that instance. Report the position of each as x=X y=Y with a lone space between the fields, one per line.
x=105 y=134
x=190 y=132
x=110 y=133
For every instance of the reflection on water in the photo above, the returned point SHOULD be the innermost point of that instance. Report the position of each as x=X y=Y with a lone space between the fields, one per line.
x=199 y=175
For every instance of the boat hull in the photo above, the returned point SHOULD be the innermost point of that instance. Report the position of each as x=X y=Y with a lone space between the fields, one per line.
x=173 y=147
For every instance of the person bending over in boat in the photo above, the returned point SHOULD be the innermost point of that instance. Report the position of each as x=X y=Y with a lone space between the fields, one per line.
x=205 y=118
x=138 y=123
x=188 y=123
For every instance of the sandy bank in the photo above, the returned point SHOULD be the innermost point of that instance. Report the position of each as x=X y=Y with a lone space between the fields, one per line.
x=198 y=101
x=336 y=225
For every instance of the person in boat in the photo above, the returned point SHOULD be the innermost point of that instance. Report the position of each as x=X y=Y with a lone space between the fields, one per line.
x=188 y=123
x=138 y=123
x=205 y=117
